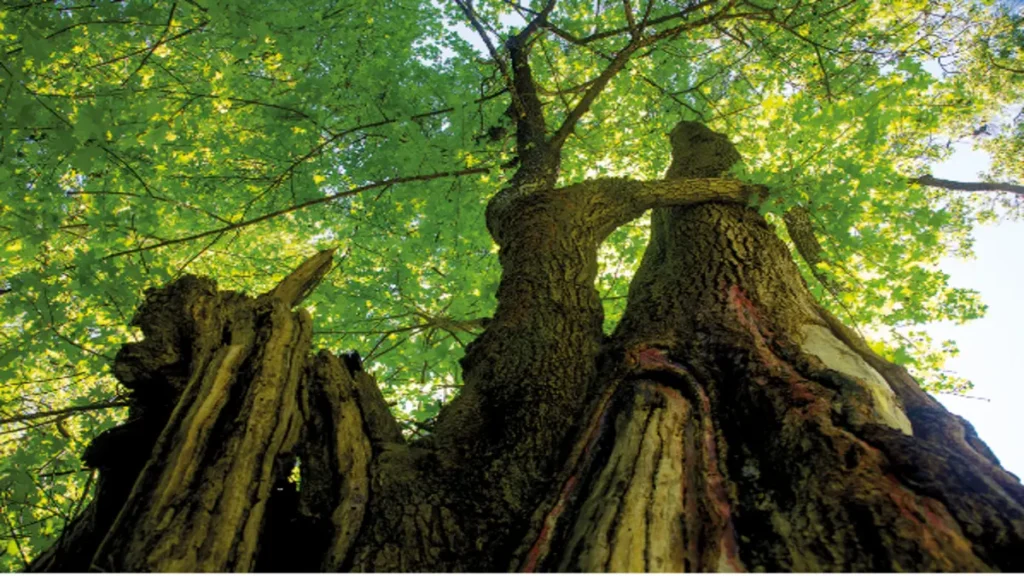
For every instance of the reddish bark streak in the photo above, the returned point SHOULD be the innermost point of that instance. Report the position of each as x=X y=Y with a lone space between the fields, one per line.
x=646 y=357
x=715 y=489
x=747 y=312
x=577 y=462
x=543 y=539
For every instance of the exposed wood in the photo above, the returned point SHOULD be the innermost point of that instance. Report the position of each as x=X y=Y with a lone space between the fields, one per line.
x=296 y=286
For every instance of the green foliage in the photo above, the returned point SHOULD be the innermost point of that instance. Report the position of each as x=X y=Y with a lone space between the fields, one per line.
x=144 y=140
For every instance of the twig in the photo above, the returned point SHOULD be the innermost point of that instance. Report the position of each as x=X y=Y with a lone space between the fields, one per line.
x=299 y=206
x=157 y=44
x=63 y=411
x=929 y=180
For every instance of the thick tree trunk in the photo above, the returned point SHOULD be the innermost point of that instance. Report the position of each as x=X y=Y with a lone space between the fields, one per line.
x=728 y=424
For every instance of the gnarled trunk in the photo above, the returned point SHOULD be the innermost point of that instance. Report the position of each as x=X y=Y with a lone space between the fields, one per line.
x=728 y=424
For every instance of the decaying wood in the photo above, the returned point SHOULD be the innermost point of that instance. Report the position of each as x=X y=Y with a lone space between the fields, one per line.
x=222 y=392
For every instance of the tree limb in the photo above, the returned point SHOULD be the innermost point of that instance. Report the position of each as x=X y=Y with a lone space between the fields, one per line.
x=157 y=44
x=467 y=9
x=639 y=40
x=297 y=285
x=536 y=164
x=625 y=29
x=929 y=180
x=63 y=411
x=596 y=87
x=801 y=232
x=299 y=206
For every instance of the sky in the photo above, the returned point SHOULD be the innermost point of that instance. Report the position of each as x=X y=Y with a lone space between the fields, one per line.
x=990 y=348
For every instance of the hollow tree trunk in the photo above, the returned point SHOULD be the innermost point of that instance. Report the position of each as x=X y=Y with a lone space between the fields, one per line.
x=728 y=424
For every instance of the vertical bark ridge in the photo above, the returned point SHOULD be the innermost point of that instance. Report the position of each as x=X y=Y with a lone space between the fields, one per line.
x=643 y=489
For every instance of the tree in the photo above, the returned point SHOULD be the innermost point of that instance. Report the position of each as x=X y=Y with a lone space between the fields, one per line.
x=709 y=411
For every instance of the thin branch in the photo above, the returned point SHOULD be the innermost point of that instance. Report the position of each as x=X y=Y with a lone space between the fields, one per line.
x=158 y=198
x=44 y=380
x=523 y=38
x=301 y=205
x=824 y=74
x=157 y=44
x=617 y=64
x=625 y=29
x=198 y=28
x=129 y=168
x=627 y=7
x=467 y=9
x=15 y=536
x=56 y=331
x=929 y=180
x=598 y=85
x=316 y=150
x=63 y=411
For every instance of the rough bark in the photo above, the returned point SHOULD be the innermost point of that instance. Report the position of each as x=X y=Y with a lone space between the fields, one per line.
x=729 y=423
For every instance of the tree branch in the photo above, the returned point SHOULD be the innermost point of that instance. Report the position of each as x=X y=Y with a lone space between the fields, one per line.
x=625 y=29
x=801 y=232
x=596 y=87
x=301 y=205
x=611 y=202
x=536 y=164
x=684 y=191
x=157 y=44
x=467 y=9
x=929 y=180
x=64 y=411
x=303 y=280
x=619 y=62
x=523 y=38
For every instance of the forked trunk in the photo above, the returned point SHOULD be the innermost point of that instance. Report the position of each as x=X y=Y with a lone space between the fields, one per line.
x=728 y=424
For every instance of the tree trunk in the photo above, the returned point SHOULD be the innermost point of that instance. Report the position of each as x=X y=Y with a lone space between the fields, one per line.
x=729 y=423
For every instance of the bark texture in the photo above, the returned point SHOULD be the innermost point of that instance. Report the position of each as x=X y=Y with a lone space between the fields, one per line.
x=221 y=393
x=728 y=424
